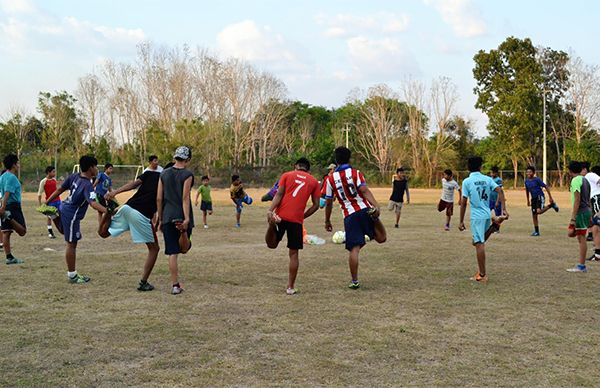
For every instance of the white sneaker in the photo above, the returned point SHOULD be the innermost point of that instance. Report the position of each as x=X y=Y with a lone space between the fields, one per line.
x=291 y=291
x=205 y=226
x=176 y=290
x=577 y=268
x=51 y=236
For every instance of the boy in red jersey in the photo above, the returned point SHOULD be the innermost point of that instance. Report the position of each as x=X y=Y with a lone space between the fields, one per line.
x=47 y=187
x=287 y=213
x=361 y=210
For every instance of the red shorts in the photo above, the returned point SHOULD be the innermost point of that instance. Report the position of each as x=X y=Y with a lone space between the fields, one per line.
x=448 y=206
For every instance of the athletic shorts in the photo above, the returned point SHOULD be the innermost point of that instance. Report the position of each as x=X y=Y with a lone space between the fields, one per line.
x=204 y=205
x=171 y=235
x=448 y=206
x=100 y=199
x=478 y=229
x=294 y=234
x=497 y=209
x=357 y=226
x=71 y=227
x=537 y=203
x=16 y=213
x=582 y=222
x=140 y=226
x=55 y=204
x=395 y=206
x=595 y=202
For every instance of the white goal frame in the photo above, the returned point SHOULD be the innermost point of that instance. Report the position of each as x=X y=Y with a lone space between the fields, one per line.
x=138 y=168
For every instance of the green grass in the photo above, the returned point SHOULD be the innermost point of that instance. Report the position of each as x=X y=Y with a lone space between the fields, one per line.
x=417 y=320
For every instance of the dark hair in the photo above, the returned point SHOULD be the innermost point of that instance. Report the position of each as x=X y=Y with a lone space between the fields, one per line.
x=10 y=160
x=234 y=178
x=532 y=168
x=169 y=165
x=494 y=169
x=399 y=169
x=107 y=166
x=575 y=166
x=49 y=169
x=342 y=155
x=303 y=163
x=474 y=163
x=204 y=178
x=152 y=158
x=596 y=170
x=448 y=172
x=86 y=162
x=585 y=165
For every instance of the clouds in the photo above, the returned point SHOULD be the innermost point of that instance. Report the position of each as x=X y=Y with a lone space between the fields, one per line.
x=348 y=25
x=464 y=18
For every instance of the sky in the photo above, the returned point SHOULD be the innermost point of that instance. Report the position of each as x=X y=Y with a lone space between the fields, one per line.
x=322 y=50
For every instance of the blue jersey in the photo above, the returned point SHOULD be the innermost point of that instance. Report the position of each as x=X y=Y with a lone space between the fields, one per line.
x=104 y=183
x=478 y=189
x=81 y=195
x=494 y=197
x=534 y=186
x=9 y=183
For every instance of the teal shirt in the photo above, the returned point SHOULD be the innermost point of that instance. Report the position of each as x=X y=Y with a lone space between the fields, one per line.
x=10 y=184
x=478 y=189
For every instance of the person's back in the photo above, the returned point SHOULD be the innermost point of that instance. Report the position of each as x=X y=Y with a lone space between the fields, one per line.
x=478 y=188
x=299 y=187
x=344 y=184
x=172 y=179
x=581 y=184
x=80 y=190
x=144 y=199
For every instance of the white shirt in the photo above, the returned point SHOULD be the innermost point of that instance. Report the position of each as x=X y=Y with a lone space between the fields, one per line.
x=448 y=188
x=593 y=178
x=158 y=169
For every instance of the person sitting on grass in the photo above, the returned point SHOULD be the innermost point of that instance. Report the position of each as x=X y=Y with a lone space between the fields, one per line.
x=73 y=209
x=206 y=202
x=11 y=212
x=477 y=189
x=287 y=213
x=533 y=187
x=137 y=216
x=581 y=212
x=361 y=210
x=238 y=197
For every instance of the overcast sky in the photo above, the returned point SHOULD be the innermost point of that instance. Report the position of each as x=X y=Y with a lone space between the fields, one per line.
x=320 y=49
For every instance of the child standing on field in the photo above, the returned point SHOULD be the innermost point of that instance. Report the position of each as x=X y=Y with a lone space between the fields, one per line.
x=239 y=197
x=11 y=213
x=533 y=187
x=449 y=185
x=581 y=213
x=48 y=186
x=399 y=187
x=206 y=203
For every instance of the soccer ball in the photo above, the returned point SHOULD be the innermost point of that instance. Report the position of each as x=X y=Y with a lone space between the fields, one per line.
x=339 y=237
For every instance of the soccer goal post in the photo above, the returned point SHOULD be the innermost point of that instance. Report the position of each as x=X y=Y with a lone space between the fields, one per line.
x=122 y=173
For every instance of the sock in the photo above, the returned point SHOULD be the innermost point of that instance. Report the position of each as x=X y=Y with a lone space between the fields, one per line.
x=537 y=229
x=597 y=253
x=176 y=285
x=9 y=256
x=49 y=228
x=71 y=275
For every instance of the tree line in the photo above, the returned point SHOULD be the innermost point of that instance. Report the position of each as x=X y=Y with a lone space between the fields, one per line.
x=236 y=116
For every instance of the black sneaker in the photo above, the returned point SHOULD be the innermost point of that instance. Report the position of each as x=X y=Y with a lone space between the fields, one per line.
x=589 y=237
x=554 y=206
x=145 y=286
x=396 y=226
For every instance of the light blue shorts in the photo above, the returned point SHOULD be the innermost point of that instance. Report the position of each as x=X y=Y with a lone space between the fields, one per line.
x=140 y=226
x=478 y=229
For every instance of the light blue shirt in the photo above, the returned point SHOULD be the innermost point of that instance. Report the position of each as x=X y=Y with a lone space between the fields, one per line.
x=478 y=189
x=9 y=183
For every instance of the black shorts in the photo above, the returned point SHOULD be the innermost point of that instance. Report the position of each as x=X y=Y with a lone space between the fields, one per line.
x=206 y=206
x=171 y=235
x=101 y=200
x=537 y=203
x=294 y=234
x=16 y=213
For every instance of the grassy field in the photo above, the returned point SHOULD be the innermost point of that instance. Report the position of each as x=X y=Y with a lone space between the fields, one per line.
x=418 y=320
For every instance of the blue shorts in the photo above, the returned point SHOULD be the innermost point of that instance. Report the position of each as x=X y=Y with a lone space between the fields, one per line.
x=357 y=226
x=497 y=209
x=55 y=204
x=140 y=226
x=478 y=229
x=171 y=235
x=71 y=228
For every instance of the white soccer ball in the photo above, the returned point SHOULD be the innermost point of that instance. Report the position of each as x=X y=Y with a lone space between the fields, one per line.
x=339 y=237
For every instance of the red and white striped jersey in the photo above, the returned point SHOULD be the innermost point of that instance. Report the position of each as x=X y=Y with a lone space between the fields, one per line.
x=344 y=185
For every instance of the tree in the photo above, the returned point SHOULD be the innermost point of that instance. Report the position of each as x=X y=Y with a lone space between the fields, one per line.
x=443 y=98
x=583 y=96
x=17 y=130
x=508 y=80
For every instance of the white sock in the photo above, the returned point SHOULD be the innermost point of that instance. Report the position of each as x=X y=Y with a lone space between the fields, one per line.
x=71 y=275
x=49 y=227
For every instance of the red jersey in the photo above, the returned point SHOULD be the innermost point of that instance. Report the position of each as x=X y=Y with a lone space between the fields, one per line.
x=299 y=187
x=344 y=185
x=48 y=187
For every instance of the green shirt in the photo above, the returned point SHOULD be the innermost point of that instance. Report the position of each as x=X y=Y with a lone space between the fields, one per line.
x=581 y=185
x=205 y=193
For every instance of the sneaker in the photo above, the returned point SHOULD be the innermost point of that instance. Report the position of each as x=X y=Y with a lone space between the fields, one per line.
x=478 y=278
x=589 y=237
x=396 y=226
x=51 y=236
x=176 y=290
x=145 y=286
x=446 y=228
x=554 y=206
x=79 y=279
x=593 y=258
x=291 y=291
x=578 y=268
x=535 y=234
x=354 y=285
x=205 y=226
x=14 y=260
x=238 y=225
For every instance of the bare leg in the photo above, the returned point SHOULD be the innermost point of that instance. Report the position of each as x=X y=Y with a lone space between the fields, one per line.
x=353 y=262
x=596 y=233
x=20 y=229
x=582 y=248
x=293 y=268
x=204 y=216
x=535 y=220
x=173 y=269
x=6 y=241
x=238 y=216
x=398 y=217
x=58 y=224
x=448 y=218
x=153 y=249
x=71 y=255
x=380 y=233
x=104 y=225
x=544 y=209
x=480 y=251
x=271 y=237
